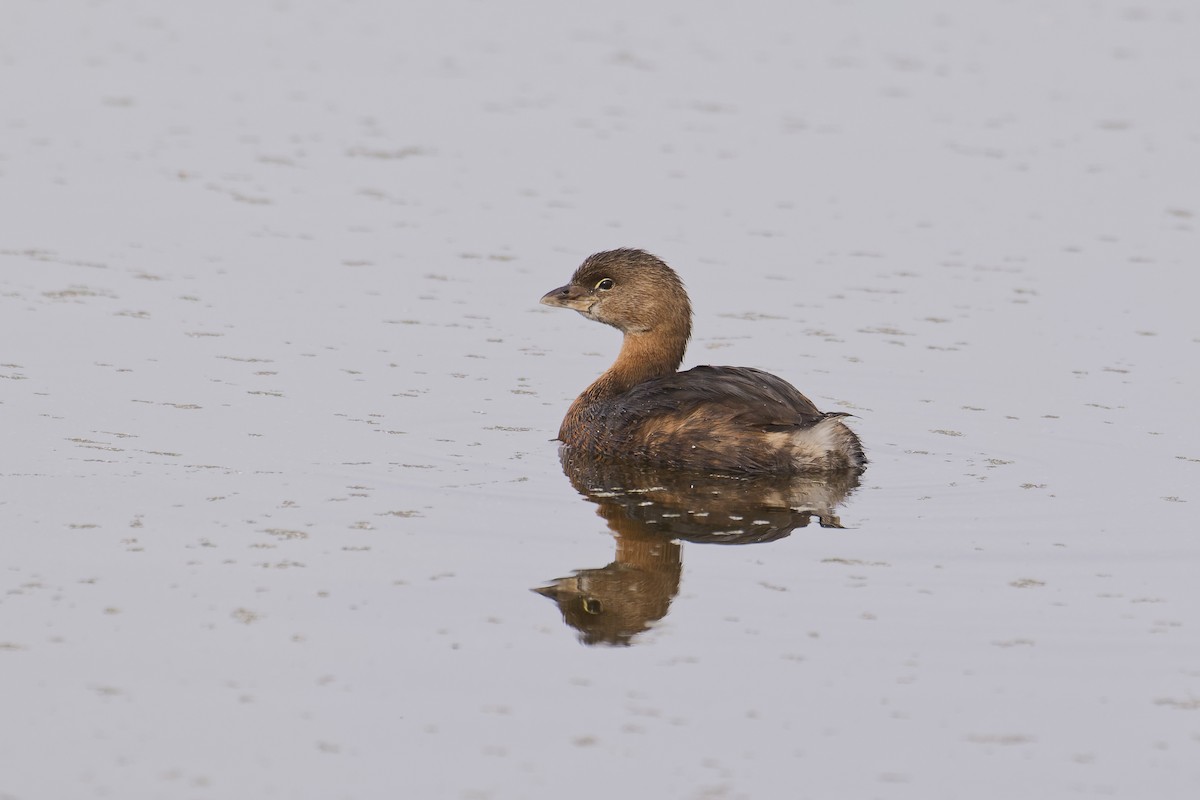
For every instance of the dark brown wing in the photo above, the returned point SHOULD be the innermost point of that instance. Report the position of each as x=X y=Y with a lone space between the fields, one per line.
x=705 y=418
x=744 y=395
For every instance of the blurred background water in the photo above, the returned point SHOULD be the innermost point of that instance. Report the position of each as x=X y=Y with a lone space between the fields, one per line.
x=279 y=399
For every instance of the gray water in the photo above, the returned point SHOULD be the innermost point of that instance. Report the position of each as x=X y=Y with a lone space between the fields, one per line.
x=279 y=400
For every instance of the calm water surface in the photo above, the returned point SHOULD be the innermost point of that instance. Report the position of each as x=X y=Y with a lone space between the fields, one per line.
x=282 y=514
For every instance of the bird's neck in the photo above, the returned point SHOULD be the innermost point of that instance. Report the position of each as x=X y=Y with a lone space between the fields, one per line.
x=643 y=356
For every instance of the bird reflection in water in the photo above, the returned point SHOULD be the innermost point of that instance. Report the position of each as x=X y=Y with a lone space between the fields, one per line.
x=651 y=511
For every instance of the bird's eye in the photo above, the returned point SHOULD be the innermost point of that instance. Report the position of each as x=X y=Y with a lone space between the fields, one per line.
x=592 y=606
x=605 y=284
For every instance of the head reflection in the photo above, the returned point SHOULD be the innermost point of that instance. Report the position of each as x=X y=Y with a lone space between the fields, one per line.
x=652 y=511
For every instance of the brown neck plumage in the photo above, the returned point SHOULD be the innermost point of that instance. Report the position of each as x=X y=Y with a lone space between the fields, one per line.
x=643 y=356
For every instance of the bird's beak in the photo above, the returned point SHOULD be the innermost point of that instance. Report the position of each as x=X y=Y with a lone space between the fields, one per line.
x=569 y=296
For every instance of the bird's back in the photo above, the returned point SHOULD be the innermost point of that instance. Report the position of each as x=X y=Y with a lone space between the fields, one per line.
x=715 y=418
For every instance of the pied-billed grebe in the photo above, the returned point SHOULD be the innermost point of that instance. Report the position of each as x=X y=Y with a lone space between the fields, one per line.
x=733 y=419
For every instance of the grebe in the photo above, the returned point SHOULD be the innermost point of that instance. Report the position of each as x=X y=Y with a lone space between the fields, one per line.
x=727 y=419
